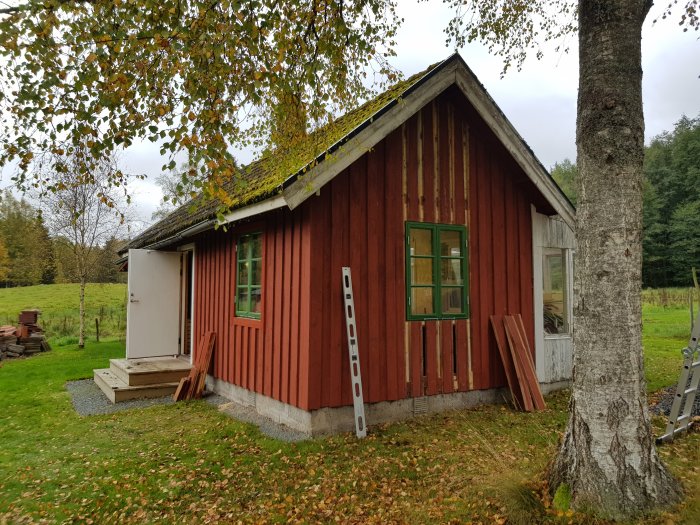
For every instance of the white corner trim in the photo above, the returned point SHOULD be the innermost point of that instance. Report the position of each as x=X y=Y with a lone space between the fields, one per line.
x=334 y=163
x=254 y=209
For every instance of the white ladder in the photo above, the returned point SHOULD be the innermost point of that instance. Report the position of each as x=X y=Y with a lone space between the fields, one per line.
x=685 y=393
x=355 y=376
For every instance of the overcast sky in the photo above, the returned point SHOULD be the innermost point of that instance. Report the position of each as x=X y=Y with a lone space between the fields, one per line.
x=540 y=101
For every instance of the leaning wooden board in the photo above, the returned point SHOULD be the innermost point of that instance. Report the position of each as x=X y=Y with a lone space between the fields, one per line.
x=192 y=386
x=522 y=399
x=523 y=359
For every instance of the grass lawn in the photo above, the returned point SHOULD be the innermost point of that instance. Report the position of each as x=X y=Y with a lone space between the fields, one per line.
x=59 y=308
x=187 y=463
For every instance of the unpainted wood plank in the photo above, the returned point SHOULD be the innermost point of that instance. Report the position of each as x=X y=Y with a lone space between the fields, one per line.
x=182 y=388
x=205 y=365
x=517 y=340
x=523 y=334
x=518 y=389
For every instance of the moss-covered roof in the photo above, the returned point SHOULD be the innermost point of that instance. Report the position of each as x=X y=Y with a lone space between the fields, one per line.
x=265 y=177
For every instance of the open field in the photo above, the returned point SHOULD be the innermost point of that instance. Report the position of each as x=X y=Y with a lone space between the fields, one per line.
x=59 y=308
x=188 y=463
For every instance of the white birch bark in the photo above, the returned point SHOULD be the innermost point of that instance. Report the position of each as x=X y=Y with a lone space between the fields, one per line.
x=608 y=458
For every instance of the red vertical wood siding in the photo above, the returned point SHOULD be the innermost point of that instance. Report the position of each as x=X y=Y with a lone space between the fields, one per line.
x=269 y=355
x=429 y=169
x=443 y=165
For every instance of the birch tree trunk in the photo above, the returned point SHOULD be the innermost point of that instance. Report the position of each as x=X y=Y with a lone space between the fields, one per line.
x=607 y=458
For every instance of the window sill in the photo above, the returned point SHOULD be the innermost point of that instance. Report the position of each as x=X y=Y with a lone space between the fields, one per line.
x=557 y=336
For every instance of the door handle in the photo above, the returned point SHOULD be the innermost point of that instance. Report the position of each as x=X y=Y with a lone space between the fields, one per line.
x=131 y=299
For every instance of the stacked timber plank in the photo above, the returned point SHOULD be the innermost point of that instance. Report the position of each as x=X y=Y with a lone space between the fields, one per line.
x=147 y=377
x=192 y=386
x=519 y=367
x=25 y=339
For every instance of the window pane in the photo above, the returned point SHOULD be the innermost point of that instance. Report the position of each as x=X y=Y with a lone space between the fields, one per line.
x=421 y=241
x=421 y=271
x=256 y=241
x=451 y=300
x=255 y=300
x=450 y=243
x=422 y=301
x=242 y=300
x=451 y=272
x=554 y=292
x=249 y=275
x=243 y=272
x=244 y=247
x=257 y=273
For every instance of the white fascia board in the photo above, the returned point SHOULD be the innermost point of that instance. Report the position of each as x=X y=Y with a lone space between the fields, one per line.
x=334 y=163
x=306 y=185
x=269 y=204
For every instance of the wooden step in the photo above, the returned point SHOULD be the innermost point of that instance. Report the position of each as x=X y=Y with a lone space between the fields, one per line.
x=149 y=370
x=117 y=390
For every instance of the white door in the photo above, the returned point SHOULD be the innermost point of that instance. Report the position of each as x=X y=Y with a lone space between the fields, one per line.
x=153 y=308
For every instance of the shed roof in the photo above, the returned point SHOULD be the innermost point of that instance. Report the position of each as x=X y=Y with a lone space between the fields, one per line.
x=298 y=171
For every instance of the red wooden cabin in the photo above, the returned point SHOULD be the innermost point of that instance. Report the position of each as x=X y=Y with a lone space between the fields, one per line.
x=442 y=213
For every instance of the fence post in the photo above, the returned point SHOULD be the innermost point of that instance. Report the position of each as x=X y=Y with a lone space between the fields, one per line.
x=97 y=329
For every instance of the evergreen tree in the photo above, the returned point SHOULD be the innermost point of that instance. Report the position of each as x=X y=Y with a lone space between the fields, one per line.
x=564 y=173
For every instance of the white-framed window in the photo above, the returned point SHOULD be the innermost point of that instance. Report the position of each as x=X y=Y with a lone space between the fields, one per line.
x=555 y=296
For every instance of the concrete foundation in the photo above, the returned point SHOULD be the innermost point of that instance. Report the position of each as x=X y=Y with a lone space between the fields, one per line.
x=548 y=388
x=327 y=421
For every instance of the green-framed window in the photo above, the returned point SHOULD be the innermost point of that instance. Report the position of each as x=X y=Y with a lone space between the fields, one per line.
x=249 y=275
x=437 y=277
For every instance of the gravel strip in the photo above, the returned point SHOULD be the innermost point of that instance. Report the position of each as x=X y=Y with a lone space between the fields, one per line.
x=266 y=425
x=88 y=400
x=665 y=400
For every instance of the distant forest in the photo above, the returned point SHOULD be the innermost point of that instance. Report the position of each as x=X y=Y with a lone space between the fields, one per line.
x=671 y=204
x=30 y=254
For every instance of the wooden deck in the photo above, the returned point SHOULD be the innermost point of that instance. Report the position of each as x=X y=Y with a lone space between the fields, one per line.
x=138 y=378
